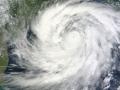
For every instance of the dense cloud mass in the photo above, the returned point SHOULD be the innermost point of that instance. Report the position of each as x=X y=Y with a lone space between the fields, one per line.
x=69 y=46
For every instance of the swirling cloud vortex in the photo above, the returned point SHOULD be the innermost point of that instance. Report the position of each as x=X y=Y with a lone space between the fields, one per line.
x=72 y=47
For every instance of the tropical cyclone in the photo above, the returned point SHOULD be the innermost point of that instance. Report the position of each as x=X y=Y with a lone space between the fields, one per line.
x=68 y=47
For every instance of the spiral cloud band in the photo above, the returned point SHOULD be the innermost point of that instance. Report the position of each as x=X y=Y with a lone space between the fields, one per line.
x=69 y=46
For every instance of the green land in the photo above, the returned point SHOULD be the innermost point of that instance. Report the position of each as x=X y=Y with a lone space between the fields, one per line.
x=3 y=58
